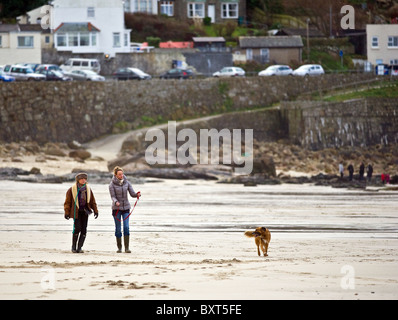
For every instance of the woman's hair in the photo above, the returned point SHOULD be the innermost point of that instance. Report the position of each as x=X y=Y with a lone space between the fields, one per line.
x=116 y=170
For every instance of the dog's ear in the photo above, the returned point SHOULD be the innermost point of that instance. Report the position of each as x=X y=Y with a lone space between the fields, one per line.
x=263 y=228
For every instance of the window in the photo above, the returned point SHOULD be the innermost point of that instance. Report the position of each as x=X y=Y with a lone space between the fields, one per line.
x=0 y=42
x=47 y=39
x=61 y=40
x=375 y=42
x=116 y=39
x=264 y=54
x=229 y=10
x=394 y=62
x=73 y=39
x=93 y=39
x=84 y=39
x=126 y=39
x=143 y=6
x=90 y=12
x=196 y=10
x=167 y=8
x=393 y=42
x=25 y=42
x=249 y=54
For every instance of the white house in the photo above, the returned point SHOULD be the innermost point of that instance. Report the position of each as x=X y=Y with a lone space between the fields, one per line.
x=19 y=44
x=147 y=6
x=382 y=42
x=90 y=26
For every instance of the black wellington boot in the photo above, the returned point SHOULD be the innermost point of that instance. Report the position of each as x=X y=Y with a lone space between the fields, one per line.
x=74 y=242
x=81 y=242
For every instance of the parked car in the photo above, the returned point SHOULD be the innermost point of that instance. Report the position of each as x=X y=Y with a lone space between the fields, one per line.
x=178 y=73
x=309 y=70
x=131 y=74
x=5 y=77
x=24 y=73
x=54 y=75
x=276 y=70
x=230 y=72
x=33 y=66
x=81 y=64
x=85 y=75
x=48 y=67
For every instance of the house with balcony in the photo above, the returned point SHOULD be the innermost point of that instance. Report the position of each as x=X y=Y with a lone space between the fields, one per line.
x=382 y=43
x=93 y=26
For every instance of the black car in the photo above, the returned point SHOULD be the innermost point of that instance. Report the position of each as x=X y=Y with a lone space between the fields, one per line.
x=130 y=74
x=53 y=75
x=178 y=73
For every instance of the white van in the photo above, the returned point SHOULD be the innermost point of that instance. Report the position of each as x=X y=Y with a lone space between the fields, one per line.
x=81 y=64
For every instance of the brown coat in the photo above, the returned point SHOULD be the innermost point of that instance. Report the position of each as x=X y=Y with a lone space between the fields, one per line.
x=71 y=208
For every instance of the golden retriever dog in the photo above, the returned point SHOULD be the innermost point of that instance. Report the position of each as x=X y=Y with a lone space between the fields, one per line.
x=262 y=237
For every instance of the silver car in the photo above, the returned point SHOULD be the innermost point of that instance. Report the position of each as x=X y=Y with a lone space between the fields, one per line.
x=24 y=73
x=230 y=72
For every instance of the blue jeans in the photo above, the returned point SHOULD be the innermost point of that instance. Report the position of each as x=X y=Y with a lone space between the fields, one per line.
x=122 y=215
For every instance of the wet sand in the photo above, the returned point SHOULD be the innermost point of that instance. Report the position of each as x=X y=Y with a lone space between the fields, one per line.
x=187 y=242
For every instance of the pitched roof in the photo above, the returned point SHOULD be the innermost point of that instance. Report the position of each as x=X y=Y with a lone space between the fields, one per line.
x=76 y=27
x=208 y=39
x=271 y=42
x=313 y=33
x=9 y=28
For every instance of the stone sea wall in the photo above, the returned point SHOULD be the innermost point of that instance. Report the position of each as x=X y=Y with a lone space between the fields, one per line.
x=82 y=111
x=359 y=123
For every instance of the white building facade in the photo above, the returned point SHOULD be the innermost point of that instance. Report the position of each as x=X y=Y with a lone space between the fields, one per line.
x=90 y=26
x=382 y=43
x=146 y=6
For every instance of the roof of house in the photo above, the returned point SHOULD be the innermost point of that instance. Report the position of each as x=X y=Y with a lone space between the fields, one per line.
x=312 y=32
x=21 y=28
x=76 y=27
x=9 y=28
x=271 y=42
x=208 y=39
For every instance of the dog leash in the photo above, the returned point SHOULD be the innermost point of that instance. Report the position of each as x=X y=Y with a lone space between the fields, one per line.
x=136 y=201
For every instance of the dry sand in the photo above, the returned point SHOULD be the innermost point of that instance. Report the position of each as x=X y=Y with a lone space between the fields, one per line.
x=39 y=265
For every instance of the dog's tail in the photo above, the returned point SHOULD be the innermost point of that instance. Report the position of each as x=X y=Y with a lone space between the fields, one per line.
x=249 y=234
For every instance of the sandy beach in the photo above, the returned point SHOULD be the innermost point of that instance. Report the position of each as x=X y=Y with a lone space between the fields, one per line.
x=188 y=243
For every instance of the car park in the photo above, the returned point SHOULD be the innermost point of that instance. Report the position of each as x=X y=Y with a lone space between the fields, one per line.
x=131 y=74
x=276 y=70
x=230 y=72
x=85 y=75
x=22 y=73
x=5 y=77
x=178 y=73
x=54 y=75
x=309 y=70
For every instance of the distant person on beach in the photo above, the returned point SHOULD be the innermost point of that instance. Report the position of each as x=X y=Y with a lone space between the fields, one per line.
x=79 y=204
x=341 y=170
x=119 y=188
x=370 y=172
x=350 y=169
x=361 y=171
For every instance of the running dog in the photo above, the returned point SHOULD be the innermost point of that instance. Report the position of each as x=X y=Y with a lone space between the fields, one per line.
x=262 y=237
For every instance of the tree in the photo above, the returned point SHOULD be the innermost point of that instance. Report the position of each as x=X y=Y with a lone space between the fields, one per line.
x=13 y=8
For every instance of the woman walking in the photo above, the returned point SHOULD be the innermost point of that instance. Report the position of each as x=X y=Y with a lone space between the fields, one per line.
x=119 y=188
x=79 y=204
